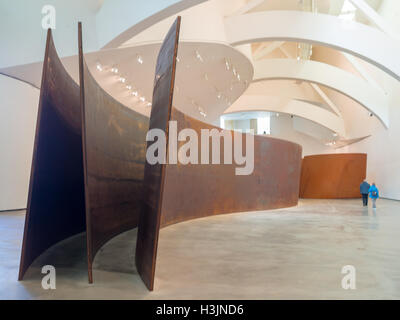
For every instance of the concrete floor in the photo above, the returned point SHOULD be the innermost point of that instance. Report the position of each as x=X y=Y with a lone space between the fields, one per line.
x=294 y=253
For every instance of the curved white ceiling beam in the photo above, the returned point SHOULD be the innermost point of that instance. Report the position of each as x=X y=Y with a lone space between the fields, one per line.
x=291 y=89
x=363 y=41
x=344 y=82
x=298 y=108
x=212 y=31
x=120 y=20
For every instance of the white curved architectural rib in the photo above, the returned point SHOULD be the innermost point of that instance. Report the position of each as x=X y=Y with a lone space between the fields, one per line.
x=290 y=106
x=350 y=85
x=120 y=20
x=212 y=31
x=365 y=42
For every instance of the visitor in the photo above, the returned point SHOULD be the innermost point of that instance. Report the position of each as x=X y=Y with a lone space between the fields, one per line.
x=374 y=194
x=364 y=190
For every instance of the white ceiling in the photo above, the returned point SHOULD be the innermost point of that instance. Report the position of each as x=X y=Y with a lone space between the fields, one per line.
x=203 y=86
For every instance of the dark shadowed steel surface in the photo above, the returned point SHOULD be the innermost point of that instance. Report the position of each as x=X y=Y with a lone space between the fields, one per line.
x=333 y=176
x=114 y=148
x=195 y=191
x=56 y=206
x=153 y=185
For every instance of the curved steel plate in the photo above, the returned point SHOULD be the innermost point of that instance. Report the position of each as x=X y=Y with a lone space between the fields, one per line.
x=56 y=206
x=153 y=185
x=114 y=148
x=195 y=191
x=333 y=176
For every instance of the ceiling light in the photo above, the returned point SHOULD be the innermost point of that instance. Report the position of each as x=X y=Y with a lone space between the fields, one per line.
x=178 y=60
x=99 y=67
x=114 y=70
x=202 y=112
x=234 y=71
x=198 y=56
x=219 y=95
x=129 y=87
x=238 y=76
x=143 y=99
x=122 y=79
x=277 y=114
x=227 y=66
x=139 y=59
x=149 y=104
x=206 y=76
x=135 y=93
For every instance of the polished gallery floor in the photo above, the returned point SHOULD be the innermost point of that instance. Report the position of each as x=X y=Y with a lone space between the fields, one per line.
x=295 y=253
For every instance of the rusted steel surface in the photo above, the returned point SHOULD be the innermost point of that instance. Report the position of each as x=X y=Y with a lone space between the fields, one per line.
x=115 y=145
x=195 y=191
x=153 y=185
x=56 y=207
x=97 y=170
x=333 y=176
x=84 y=177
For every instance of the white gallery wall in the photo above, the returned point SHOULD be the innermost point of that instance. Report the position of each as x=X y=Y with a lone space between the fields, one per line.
x=383 y=147
x=283 y=127
x=18 y=112
x=26 y=43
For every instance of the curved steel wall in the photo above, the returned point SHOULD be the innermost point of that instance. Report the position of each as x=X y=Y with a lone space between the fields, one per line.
x=114 y=154
x=154 y=174
x=93 y=171
x=333 y=176
x=195 y=191
x=89 y=162
x=56 y=206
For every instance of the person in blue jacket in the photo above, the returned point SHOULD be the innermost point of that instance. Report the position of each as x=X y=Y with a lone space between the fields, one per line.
x=373 y=194
x=364 y=190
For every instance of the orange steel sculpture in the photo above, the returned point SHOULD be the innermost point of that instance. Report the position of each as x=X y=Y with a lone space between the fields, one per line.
x=154 y=175
x=56 y=202
x=88 y=163
x=89 y=171
x=195 y=191
x=333 y=176
x=114 y=148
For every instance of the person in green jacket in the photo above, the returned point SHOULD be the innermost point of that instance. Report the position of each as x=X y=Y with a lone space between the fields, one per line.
x=373 y=194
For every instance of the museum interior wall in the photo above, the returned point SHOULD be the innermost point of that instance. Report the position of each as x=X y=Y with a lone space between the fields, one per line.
x=383 y=166
x=18 y=110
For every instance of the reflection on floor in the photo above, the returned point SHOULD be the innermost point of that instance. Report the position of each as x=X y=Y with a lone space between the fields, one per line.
x=294 y=253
